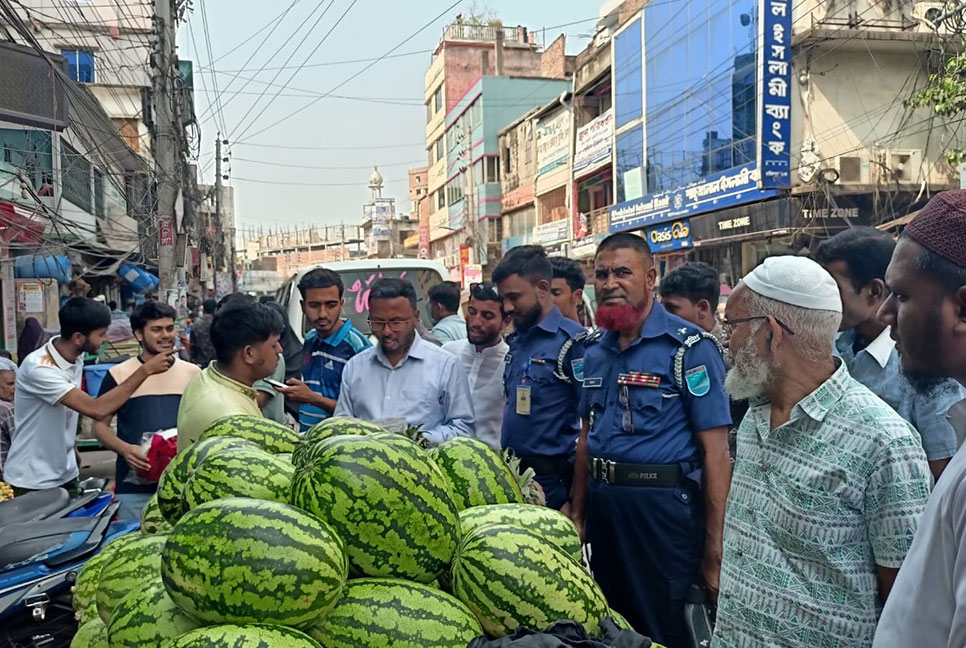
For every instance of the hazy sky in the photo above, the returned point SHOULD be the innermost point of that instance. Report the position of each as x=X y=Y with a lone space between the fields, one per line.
x=377 y=117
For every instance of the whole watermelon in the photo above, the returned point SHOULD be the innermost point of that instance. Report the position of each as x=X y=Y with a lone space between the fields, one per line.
x=619 y=620
x=240 y=560
x=151 y=519
x=238 y=472
x=476 y=473
x=510 y=577
x=551 y=525
x=147 y=618
x=84 y=591
x=92 y=634
x=171 y=484
x=244 y=636
x=267 y=434
x=387 y=501
x=330 y=427
x=133 y=565
x=381 y=612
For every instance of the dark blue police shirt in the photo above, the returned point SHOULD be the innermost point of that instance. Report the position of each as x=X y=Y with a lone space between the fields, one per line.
x=552 y=426
x=665 y=417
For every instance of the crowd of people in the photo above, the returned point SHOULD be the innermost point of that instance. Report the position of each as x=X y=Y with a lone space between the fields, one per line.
x=797 y=457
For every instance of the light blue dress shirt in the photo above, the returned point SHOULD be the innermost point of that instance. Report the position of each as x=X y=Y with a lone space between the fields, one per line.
x=879 y=368
x=450 y=329
x=428 y=387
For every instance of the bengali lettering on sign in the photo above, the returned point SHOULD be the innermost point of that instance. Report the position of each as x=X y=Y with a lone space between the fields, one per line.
x=774 y=88
x=593 y=145
x=553 y=141
x=166 y=232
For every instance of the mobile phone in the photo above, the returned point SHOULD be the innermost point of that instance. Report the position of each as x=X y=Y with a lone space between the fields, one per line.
x=275 y=383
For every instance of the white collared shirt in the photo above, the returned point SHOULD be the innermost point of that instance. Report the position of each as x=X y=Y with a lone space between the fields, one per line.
x=485 y=372
x=42 y=446
x=927 y=605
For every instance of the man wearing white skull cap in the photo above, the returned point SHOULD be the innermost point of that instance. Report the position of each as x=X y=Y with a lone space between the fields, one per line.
x=829 y=482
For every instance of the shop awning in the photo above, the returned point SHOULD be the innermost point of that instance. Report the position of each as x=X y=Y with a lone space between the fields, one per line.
x=897 y=222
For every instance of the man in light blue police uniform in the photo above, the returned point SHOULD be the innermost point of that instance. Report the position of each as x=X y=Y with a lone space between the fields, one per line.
x=543 y=372
x=652 y=469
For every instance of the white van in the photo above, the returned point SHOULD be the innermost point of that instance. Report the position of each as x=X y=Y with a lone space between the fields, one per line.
x=357 y=277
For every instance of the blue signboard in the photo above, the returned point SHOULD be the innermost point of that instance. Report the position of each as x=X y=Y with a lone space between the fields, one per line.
x=716 y=191
x=775 y=86
x=675 y=235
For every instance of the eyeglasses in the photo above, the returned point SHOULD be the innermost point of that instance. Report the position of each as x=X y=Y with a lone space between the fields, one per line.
x=394 y=325
x=729 y=325
x=484 y=291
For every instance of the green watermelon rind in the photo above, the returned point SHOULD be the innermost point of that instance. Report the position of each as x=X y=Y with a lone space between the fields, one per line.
x=132 y=566
x=380 y=612
x=511 y=577
x=238 y=472
x=270 y=435
x=388 y=502
x=244 y=636
x=84 y=591
x=548 y=523
x=274 y=563
x=330 y=427
x=92 y=634
x=152 y=522
x=147 y=618
x=477 y=474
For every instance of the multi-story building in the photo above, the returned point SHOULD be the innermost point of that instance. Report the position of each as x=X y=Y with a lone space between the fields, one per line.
x=419 y=211
x=217 y=234
x=744 y=129
x=518 y=169
x=386 y=233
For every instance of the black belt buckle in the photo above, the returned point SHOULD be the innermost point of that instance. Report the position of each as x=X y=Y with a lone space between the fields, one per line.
x=603 y=470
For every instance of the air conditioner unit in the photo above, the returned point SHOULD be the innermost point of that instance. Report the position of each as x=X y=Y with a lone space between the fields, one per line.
x=929 y=16
x=852 y=169
x=904 y=165
x=451 y=260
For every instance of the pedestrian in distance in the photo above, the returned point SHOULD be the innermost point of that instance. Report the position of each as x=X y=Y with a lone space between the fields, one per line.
x=829 y=483
x=567 y=287
x=405 y=377
x=49 y=399
x=544 y=369
x=202 y=351
x=8 y=382
x=691 y=291
x=483 y=354
x=444 y=308
x=926 y=309
x=328 y=347
x=245 y=336
x=32 y=337
x=652 y=471
x=151 y=408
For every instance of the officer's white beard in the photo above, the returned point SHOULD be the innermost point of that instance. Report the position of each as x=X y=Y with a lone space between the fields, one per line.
x=750 y=374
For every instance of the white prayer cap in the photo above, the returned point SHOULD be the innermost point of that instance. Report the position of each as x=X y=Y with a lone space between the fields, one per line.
x=795 y=280
x=8 y=365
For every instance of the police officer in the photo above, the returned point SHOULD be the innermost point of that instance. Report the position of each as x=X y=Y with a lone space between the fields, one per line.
x=542 y=375
x=652 y=469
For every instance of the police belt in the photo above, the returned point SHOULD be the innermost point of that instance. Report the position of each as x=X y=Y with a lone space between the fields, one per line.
x=628 y=474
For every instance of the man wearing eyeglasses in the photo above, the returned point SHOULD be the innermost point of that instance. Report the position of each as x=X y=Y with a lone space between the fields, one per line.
x=405 y=377
x=829 y=484
x=652 y=471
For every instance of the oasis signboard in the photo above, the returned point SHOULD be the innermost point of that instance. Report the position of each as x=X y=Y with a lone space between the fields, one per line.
x=675 y=235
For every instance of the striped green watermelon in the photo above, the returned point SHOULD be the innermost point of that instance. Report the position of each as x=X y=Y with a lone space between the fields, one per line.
x=147 y=618
x=244 y=636
x=510 y=577
x=84 y=591
x=549 y=524
x=151 y=519
x=92 y=634
x=330 y=427
x=476 y=473
x=387 y=501
x=240 y=560
x=382 y=612
x=620 y=621
x=132 y=566
x=171 y=484
x=238 y=472
x=269 y=435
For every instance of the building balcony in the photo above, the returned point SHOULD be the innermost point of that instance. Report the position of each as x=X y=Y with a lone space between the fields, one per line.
x=512 y=36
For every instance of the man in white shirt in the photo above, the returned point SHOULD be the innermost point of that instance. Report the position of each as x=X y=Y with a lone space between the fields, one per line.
x=48 y=398
x=483 y=354
x=927 y=312
x=404 y=376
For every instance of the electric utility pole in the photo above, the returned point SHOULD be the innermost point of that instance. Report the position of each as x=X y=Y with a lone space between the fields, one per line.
x=166 y=97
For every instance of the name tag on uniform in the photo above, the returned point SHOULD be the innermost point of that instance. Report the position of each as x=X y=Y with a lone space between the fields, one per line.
x=523 y=401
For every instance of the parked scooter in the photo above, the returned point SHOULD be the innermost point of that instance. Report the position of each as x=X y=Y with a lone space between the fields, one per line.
x=46 y=537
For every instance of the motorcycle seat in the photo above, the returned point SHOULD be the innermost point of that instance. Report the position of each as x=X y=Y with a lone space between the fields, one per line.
x=23 y=541
x=31 y=506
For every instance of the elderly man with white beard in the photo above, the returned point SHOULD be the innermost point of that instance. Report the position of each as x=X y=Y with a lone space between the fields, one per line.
x=829 y=483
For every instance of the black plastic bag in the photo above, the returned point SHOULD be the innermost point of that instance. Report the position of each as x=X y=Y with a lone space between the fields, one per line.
x=567 y=634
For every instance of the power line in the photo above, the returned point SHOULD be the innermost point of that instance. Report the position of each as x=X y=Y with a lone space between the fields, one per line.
x=330 y=148
x=324 y=168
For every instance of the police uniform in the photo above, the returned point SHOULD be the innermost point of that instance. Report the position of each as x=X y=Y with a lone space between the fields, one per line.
x=542 y=384
x=645 y=511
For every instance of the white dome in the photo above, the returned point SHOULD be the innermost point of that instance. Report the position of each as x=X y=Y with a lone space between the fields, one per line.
x=375 y=180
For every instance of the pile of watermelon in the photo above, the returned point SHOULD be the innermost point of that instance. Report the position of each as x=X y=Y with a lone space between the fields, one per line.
x=347 y=537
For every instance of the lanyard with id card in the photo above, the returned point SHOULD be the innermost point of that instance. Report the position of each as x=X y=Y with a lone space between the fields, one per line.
x=523 y=393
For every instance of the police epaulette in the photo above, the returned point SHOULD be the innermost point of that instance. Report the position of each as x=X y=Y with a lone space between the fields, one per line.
x=689 y=342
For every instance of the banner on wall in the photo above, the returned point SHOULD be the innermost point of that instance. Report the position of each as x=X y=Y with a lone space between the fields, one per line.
x=774 y=92
x=553 y=141
x=593 y=145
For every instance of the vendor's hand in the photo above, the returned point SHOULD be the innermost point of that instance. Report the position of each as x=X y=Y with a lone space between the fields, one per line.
x=297 y=391
x=161 y=362
x=136 y=459
x=576 y=517
x=711 y=569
